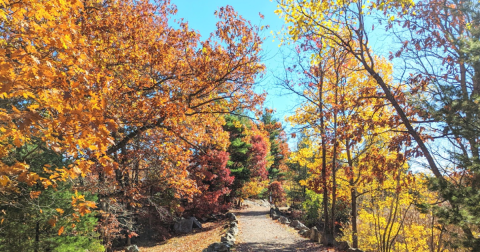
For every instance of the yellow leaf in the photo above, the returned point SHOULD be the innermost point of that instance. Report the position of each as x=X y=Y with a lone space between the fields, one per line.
x=59 y=210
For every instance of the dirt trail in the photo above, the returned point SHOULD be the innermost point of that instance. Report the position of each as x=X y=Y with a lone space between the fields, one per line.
x=259 y=233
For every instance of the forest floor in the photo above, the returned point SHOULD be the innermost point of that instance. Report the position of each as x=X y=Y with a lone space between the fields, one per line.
x=193 y=242
x=259 y=233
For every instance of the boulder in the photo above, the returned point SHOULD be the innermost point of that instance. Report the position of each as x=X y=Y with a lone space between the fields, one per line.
x=343 y=245
x=184 y=226
x=132 y=248
x=233 y=224
x=196 y=223
x=275 y=217
x=283 y=220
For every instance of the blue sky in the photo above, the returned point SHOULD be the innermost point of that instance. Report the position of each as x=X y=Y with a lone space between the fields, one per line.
x=199 y=15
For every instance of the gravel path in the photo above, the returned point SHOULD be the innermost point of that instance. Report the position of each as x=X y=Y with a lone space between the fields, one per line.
x=259 y=233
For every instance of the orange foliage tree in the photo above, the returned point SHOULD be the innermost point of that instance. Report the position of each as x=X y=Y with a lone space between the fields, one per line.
x=120 y=91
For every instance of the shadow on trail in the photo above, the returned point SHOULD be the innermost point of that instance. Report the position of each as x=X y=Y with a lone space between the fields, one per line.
x=252 y=213
x=305 y=246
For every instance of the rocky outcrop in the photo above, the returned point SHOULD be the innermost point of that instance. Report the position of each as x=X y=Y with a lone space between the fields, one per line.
x=183 y=226
x=196 y=223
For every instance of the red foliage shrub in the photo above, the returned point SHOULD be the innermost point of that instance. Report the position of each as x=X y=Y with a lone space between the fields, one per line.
x=258 y=157
x=213 y=180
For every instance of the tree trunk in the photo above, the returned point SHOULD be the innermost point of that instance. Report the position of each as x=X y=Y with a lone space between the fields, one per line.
x=327 y=236
x=37 y=236
x=334 y=162
x=353 y=195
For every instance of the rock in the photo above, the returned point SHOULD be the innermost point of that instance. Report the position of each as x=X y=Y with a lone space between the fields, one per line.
x=302 y=232
x=132 y=248
x=294 y=223
x=233 y=230
x=315 y=235
x=231 y=216
x=233 y=224
x=275 y=217
x=354 y=250
x=300 y=226
x=342 y=245
x=272 y=212
x=184 y=226
x=196 y=223
x=228 y=238
x=218 y=247
x=284 y=220
x=307 y=233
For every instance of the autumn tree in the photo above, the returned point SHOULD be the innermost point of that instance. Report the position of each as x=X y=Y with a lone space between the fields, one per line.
x=122 y=93
x=345 y=117
x=213 y=180
x=435 y=40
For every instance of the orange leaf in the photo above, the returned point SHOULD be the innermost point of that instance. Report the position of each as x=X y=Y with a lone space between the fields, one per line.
x=60 y=231
x=34 y=194
x=52 y=222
